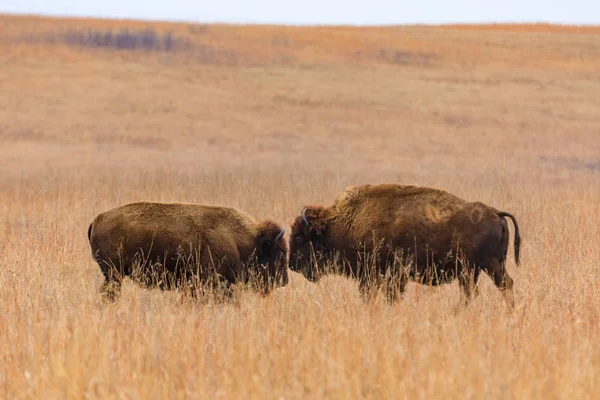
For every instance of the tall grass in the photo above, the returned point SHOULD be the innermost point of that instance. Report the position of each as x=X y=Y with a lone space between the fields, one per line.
x=57 y=339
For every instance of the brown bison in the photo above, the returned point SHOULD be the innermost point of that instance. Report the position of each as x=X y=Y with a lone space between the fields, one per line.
x=167 y=245
x=386 y=234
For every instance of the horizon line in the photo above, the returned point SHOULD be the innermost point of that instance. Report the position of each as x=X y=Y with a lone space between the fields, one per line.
x=80 y=16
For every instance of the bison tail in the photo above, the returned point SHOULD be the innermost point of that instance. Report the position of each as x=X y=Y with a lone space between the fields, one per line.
x=503 y=214
x=90 y=232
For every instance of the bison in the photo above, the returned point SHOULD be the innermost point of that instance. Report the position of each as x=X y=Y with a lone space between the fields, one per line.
x=167 y=245
x=387 y=234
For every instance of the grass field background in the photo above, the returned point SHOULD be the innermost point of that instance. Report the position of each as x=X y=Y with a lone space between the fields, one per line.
x=270 y=119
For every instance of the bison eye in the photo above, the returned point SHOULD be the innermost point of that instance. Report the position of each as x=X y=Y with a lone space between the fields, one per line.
x=299 y=239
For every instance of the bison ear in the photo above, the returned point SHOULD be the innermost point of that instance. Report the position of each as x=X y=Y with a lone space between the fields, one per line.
x=268 y=239
x=266 y=248
x=316 y=233
x=313 y=224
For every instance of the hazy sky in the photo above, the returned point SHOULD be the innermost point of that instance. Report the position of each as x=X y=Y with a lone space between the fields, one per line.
x=366 y=12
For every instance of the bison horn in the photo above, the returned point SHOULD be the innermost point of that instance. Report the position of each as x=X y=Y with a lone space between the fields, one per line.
x=280 y=235
x=304 y=220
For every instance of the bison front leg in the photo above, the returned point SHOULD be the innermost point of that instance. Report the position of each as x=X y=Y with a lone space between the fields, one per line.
x=467 y=280
x=394 y=284
x=502 y=280
x=393 y=287
x=368 y=286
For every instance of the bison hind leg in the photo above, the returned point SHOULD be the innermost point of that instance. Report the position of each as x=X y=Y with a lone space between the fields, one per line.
x=110 y=290
x=111 y=287
x=502 y=280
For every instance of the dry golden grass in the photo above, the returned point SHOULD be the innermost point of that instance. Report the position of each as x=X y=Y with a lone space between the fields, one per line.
x=282 y=118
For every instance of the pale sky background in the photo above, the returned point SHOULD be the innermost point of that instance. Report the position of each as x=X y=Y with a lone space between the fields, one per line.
x=317 y=12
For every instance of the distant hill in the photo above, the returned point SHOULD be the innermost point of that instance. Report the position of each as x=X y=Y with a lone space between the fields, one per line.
x=265 y=45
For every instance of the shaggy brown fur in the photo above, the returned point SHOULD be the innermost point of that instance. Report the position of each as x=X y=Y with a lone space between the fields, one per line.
x=168 y=244
x=389 y=233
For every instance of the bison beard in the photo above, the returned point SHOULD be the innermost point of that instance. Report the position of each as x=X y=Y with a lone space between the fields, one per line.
x=385 y=235
x=175 y=245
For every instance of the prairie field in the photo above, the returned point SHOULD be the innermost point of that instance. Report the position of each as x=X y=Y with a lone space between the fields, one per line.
x=99 y=113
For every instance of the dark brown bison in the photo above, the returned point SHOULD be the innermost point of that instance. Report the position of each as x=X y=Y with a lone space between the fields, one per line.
x=167 y=245
x=386 y=234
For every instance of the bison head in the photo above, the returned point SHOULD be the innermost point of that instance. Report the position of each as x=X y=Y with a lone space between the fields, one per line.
x=271 y=251
x=308 y=243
